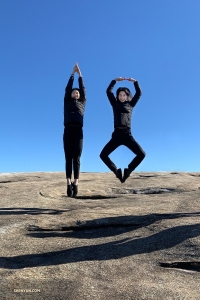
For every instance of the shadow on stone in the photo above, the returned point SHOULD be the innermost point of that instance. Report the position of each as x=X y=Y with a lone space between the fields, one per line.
x=144 y=191
x=14 y=180
x=95 y=197
x=148 y=176
x=30 y=211
x=189 y=266
x=91 y=197
x=124 y=223
x=194 y=175
x=125 y=247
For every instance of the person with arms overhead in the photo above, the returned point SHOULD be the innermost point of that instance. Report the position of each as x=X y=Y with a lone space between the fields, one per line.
x=122 y=106
x=74 y=107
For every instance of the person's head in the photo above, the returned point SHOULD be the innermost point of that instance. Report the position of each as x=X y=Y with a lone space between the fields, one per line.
x=123 y=94
x=75 y=94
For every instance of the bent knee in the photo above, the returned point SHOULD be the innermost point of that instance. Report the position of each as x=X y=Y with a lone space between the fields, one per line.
x=101 y=155
x=142 y=154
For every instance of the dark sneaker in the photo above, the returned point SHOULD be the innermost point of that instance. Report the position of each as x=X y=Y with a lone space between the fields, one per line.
x=69 y=190
x=75 y=190
x=119 y=174
x=127 y=173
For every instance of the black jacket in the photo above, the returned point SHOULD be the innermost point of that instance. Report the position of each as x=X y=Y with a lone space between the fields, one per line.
x=123 y=110
x=74 y=109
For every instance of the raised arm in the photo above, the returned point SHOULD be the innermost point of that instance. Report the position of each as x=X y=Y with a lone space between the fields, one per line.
x=138 y=92
x=81 y=84
x=109 y=92
x=82 y=88
x=69 y=86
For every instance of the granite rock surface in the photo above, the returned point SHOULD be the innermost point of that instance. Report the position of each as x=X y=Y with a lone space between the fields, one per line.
x=136 y=240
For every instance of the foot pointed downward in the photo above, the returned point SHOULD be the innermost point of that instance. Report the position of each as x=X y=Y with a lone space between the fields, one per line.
x=75 y=190
x=69 y=190
x=127 y=173
x=119 y=174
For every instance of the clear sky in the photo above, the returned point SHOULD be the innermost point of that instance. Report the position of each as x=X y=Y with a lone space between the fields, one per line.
x=156 y=42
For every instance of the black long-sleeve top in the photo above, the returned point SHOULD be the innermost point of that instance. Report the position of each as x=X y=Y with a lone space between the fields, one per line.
x=74 y=108
x=123 y=110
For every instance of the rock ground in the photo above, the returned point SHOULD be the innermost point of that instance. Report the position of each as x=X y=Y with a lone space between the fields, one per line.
x=137 y=240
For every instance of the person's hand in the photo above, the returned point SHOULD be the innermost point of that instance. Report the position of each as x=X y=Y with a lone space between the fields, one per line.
x=131 y=79
x=78 y=69
x=74 y=69
x=120 y=79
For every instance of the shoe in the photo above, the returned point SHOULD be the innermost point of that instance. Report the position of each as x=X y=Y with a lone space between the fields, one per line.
x=127 y=173
x=75 y=190
x=119 y=174
x=69 y=190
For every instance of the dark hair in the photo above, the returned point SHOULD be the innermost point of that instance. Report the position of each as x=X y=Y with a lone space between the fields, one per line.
x=126 y=90
x=77 y=89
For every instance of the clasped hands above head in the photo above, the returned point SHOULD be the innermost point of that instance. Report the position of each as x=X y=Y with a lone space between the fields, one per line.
x=124 y=78
x=76 y=69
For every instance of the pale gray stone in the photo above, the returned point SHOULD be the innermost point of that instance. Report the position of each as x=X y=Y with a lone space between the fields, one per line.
x=136 y=240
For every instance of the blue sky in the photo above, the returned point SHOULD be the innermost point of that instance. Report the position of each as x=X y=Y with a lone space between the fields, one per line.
x=156 y=42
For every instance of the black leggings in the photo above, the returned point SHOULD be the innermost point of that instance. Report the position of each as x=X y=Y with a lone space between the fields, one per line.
x=73 y=145
x=122 y=137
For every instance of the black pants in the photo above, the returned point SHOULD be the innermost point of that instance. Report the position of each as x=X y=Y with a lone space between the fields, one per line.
x=122 y=137
x=73 y=145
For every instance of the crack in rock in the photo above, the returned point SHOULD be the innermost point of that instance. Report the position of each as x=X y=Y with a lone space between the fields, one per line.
x=46 y=196
x=195 y=175
x=95 y=197
x=147 y=176
x=6 y=181
x=10 y=181
x=31 y=211
x=188 y=266
x=85 y=225
x=154 y=190
x=41 y=194
x=144 y=191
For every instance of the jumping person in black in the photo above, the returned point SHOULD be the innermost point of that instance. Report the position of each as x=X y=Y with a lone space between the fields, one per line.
x=74 y=107
x=122 y=106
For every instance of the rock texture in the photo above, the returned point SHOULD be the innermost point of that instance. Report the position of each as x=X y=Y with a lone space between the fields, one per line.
x=137 y=240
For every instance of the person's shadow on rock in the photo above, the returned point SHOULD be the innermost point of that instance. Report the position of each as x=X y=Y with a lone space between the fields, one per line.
x=105 y=227
x=125 y=247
